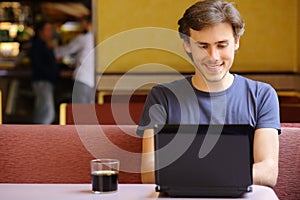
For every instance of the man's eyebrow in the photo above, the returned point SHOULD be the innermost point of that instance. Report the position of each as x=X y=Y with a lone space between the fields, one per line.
x=201 y=43
x=222 y=41
x=206 y=43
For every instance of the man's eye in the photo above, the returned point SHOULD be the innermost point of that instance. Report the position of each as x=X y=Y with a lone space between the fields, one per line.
x=222 y=46
x=202 y=46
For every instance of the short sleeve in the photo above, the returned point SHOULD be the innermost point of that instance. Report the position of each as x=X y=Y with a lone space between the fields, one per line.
x=154 y=111
x=268 y=108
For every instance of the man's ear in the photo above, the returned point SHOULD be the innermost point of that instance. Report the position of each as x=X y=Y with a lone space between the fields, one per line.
x=237 y=43
x=187 y=45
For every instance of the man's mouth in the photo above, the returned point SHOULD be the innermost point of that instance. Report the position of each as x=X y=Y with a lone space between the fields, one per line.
x=215 y=68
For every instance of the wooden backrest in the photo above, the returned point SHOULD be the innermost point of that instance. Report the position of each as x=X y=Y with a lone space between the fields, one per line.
x=289 y=106
x=108 y=97
x=61 y=154
x=118 y=108
x=288 y=182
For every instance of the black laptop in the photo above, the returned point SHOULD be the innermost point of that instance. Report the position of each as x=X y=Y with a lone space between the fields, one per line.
x=203 y=160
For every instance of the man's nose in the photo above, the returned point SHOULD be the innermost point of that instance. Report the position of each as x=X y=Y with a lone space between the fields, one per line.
x=214 y=54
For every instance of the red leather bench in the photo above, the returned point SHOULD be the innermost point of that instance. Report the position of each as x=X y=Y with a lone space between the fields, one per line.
x=106 y=113
x=288 y=182
x=61 y=154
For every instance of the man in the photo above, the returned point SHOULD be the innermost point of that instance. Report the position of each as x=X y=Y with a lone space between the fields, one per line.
x=211 y=33
x=82 y=46
x=44 y=73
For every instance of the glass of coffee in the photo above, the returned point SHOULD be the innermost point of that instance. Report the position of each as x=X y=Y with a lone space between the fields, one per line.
x=104 y=175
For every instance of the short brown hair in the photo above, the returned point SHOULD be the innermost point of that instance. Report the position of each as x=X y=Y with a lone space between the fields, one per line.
x=210 y=12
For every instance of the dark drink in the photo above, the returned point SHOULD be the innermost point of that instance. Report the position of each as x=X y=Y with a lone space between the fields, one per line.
x=105 y=181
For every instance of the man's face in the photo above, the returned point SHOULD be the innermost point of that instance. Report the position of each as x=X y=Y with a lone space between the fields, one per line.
x=213 y=50
x=84 y=25
x=47 y=32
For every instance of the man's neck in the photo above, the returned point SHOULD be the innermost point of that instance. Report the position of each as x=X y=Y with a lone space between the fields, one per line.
x=201 y=84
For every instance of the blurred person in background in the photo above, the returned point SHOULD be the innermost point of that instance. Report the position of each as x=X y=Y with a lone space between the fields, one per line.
x=82 y=46
x=44 y=73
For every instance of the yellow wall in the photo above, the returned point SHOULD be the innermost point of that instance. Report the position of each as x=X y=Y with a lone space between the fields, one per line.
x=270 y=40
x=122 y=50
x=269 y=44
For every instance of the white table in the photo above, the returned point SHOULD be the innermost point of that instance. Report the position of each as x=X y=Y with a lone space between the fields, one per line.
x=83 y=191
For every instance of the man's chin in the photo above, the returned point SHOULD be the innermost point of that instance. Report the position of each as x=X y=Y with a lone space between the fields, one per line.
x=214 y=78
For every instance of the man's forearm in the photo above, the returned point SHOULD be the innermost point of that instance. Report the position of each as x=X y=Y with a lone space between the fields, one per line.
x=147 y=168
x=265 y=173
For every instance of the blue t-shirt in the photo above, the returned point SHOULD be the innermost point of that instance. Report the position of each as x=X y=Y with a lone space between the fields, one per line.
x=244 y=102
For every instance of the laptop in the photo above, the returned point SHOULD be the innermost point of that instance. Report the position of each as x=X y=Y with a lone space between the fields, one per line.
x=189 y=164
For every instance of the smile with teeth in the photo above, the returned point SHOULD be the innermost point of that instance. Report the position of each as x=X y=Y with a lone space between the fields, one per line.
x=215 y=67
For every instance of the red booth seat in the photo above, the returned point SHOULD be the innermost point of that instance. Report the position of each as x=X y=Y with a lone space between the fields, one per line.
x=61 y=154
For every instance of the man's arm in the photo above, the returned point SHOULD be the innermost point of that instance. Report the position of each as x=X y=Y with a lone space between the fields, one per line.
x=265 y=152
x=72 y=47
x=147 y=167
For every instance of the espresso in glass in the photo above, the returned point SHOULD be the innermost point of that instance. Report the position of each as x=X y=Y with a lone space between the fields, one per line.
x=104 y=174
x=104 y=181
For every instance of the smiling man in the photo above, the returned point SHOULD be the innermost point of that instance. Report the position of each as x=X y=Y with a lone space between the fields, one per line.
x=212 y=50
x=211 y=32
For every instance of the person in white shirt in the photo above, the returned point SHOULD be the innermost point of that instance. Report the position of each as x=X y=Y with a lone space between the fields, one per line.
x=84 y=74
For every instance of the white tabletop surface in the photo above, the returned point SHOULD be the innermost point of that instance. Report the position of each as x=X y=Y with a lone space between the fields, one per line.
x=83 y=191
